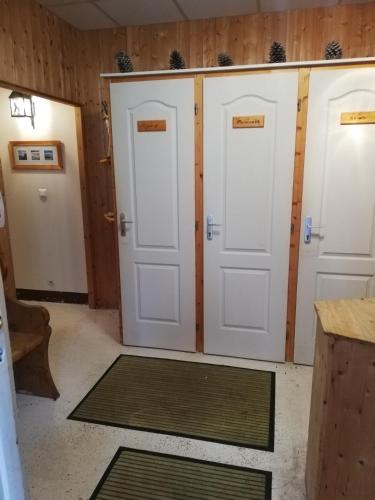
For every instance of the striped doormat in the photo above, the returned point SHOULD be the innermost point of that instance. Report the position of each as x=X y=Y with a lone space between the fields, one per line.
x=197 y=400
x=144 y=475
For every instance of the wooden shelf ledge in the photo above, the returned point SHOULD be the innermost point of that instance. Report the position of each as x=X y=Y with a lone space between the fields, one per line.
x=353 y=319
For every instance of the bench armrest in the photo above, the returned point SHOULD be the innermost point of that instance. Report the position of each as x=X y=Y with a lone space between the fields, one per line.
x=26 y=318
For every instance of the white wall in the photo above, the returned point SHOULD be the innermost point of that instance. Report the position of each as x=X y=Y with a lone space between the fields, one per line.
x=46 y=236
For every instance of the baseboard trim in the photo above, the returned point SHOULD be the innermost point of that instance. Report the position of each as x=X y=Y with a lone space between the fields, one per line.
x=52 y=296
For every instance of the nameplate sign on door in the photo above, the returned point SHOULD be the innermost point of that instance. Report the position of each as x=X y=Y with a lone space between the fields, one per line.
x=152 y=126
x=250 y=121
x=358 y=117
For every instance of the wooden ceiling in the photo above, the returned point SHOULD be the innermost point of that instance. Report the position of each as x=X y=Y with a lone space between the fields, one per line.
x=99 y=14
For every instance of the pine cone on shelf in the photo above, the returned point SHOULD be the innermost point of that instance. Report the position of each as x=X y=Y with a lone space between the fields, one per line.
x=224 y=59
x=277 y=53
x=176 y=61
x=124 y=62
x=333 y=50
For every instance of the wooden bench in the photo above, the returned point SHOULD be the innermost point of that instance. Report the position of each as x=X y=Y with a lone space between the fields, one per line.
x=29 y=333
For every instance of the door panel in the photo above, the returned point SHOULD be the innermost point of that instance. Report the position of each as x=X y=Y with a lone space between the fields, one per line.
x=155 y=189
x=339 y=195
x=154 y=172
x=248 y=175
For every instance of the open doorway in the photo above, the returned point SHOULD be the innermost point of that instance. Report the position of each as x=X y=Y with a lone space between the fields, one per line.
x=43 y=245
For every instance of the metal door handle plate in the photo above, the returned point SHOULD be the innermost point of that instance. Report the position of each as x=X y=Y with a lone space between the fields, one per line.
x=210 y=225
x=123 y=223
x=308 y=230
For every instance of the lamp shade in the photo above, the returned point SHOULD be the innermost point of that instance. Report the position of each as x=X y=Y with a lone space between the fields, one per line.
x=21 y=105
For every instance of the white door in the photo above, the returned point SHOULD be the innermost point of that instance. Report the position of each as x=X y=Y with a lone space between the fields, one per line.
x=11 y=479
x=338 y=261
x=249 y=138
x=153 y=145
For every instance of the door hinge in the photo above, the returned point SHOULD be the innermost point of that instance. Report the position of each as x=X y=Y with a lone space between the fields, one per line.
x=196 y=327
x=196 y=225
x=292 y=228
x=299 y=105
x=195 y=109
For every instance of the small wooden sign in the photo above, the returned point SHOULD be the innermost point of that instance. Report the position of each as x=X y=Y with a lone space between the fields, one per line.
x=358 y=117
x=152 y=126
x=250 y=121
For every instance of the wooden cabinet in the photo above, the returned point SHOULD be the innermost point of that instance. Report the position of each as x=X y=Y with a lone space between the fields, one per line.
x=341 y=443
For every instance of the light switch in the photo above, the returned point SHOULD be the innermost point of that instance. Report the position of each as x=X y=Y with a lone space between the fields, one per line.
x=43 y=193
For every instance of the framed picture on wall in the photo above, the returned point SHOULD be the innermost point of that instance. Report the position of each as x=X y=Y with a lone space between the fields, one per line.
x=36 y=155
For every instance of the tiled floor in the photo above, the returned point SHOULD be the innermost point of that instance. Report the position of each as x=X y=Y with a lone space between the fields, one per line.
x=65 y=459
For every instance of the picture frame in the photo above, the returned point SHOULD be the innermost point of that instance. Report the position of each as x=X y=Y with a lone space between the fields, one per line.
x=36 y=155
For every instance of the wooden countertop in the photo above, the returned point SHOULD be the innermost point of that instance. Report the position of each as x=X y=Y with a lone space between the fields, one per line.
x=354 y=319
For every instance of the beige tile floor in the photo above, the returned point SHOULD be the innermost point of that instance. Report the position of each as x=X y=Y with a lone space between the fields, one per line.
x=64 y=459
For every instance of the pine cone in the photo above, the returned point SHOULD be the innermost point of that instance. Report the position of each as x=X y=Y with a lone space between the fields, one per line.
x=176 y=61
x=124 y=62
x=277 y=53
x=333 y=50
x=224 y=59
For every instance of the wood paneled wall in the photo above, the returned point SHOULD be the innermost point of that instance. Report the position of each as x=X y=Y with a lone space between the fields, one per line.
x=40 y=52
x=37 y=50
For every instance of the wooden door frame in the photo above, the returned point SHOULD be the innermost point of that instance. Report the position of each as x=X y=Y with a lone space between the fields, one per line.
x=6 y=261
x=304 y=69
x=295 y=224
x=82 y=167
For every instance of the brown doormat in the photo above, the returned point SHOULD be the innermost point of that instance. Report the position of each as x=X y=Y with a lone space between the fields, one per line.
x=196 y=400
x=135 y=474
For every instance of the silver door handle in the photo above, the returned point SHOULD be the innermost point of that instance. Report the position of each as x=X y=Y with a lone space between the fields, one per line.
x=308 y=230
x=123 y=223
x=210 y=226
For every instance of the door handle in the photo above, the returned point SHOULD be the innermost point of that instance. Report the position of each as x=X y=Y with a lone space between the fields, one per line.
x=123 y=223
x=210 y=226
x=308 y=230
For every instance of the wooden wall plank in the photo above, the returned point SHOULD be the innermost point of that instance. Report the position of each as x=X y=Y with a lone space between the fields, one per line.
x=36 y=50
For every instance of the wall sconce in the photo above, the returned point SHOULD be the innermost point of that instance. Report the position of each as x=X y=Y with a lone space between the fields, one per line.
x=22 y=106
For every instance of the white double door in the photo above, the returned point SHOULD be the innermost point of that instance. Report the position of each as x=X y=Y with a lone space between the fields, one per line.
x=338 y=260
x=247 y=189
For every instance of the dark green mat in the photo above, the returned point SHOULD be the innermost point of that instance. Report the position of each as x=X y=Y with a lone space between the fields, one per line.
x=135 y=474
x=197 y=400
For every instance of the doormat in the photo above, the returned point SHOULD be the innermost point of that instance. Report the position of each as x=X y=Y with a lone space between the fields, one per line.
x=148 y=475
x=196 y=400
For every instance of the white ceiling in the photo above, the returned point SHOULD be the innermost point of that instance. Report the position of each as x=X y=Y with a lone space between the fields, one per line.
x=98 y=14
